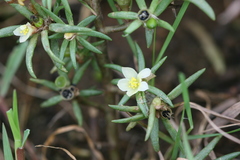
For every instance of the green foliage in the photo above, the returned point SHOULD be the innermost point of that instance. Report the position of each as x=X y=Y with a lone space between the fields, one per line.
x=76 y=50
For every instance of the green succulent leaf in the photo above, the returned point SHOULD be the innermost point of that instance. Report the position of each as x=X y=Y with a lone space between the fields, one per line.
x=46 y=83
x=205 y=151
x=124 y=99
x=80 y=71
x=134 y=118
x=63 y=48
x=65 y=28
x=141 y=4
x=205 y=7
x=160 y=94
x=22 y=10
x=123 y=15
x=140 y=57
x=158 y=65
x=132 y=27
x=46 y=46
x=68 y=11
x=114 y=66
x=134 y=109
x=154 y=136
x=165 y=25
x=13 y=64
x=52 y=101
x=161 y=7
x=149 y=36
x=77 y=112
x=88 y=45
x=142 y=103
x=38 y=9
x=178 y=90
x=95 y=34
x=52 y=15
x=7 y=31
x=154 y=5
x=29 y=54
x=90 y=92
x=73 y=49
x=87 y=21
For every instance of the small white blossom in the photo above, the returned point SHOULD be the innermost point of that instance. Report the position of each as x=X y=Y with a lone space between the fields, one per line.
x=133 y=81
x=24 y=31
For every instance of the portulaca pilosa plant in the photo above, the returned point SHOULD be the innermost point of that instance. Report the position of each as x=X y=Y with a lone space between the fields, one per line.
x=75 y=46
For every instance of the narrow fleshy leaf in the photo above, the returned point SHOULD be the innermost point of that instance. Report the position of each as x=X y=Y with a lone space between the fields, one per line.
x=6 y=145
x=123 y=15
x=52 y=15
x=186 y=100
x=25 y=136
x=88 y=7
x=29 y=54
x=154 y=5
x=130 y=126
x=88 y=45
x=63 y=48
x=178 y=90
x=164 y=24
x=64 y=28
x=68 y=11
x=77 y=112
x=95 y=34
x=206 y=150
x=229 y=156
x=115 y=81
x=22 y=10
x=205 y=7
x=89 y=92
x=154 y=136
x=46 y=46
x=80 y=71
x=46 y=83
x=87 y=21
x=142 y=103
x=151 y=118
x=114 y=66
x=134 y=118
x=73 y=48
x=13 y=63
x=134 y=109
x=140 y=57
x=149 y=36
x=141 y=4
x=7 y=31
x=132 y=27
x=161 y=94
x=56 y=36
x=52 y=101
x=124 y=99
x=158 y=65
x=161 y=7
x=38 y=8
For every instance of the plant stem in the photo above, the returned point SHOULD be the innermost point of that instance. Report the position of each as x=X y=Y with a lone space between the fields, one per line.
x=107 y=77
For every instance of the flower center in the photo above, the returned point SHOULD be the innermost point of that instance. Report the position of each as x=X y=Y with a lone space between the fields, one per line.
x=133 y=83
x=24 y=30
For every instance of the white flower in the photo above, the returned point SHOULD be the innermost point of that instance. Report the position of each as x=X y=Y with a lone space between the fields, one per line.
x=132 y=83
x=24 y=31
x=69 y=36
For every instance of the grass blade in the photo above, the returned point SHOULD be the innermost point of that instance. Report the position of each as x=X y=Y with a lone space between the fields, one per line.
x=6 y=145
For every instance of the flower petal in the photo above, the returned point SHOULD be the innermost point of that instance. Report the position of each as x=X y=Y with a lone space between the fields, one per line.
x=144 y=73
x=123 y=84
x=131 y=92
x=129 y=72
x=143 y=86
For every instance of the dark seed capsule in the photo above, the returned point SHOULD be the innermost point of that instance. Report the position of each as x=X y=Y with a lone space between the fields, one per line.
x=67 y=94
x=166 y=114
x=143 y=15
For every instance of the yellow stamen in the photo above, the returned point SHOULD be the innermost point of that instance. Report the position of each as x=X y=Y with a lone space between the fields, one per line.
x=133 y=83
x=25 y=30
